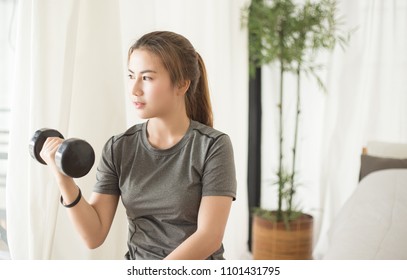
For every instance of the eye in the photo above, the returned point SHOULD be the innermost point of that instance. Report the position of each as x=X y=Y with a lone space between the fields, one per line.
x=147 y=78
x=130 y=76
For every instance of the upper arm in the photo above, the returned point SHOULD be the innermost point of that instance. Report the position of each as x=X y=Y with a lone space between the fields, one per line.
x=213 y=215
x=105 y=206
x=218 y=188
x=106 y=193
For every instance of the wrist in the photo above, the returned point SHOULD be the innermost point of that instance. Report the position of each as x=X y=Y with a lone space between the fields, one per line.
x=73 y=203
x=63 y=180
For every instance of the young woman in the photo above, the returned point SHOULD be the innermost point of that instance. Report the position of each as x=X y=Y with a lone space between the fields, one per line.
x=174 y=173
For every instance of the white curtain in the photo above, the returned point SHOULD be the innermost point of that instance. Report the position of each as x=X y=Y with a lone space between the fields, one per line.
x=70 y=75
x=367 y=99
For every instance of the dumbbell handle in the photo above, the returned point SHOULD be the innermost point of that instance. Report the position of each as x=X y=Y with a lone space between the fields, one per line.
x=37 y=142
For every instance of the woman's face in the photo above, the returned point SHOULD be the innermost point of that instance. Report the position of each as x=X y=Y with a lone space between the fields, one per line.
x=152 y=91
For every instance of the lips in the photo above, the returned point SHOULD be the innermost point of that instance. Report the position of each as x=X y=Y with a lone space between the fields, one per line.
x=139 y=105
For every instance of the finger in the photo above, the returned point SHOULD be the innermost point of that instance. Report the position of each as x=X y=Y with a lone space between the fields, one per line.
x=52 y=142
x=49 y=149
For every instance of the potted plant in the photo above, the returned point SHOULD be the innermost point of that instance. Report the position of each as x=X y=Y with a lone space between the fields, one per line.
x=289 y=35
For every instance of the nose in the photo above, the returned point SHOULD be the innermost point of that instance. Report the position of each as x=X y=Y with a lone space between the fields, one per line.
x=135 y=87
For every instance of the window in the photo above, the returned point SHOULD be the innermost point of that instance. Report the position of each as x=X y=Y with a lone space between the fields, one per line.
x=7 y=47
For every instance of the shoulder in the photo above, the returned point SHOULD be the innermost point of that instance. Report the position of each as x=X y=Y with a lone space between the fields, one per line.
x=209 y=138
x=131 y=134
x=204 y=131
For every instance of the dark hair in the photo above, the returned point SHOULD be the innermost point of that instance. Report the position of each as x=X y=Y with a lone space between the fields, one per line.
x=182 y=63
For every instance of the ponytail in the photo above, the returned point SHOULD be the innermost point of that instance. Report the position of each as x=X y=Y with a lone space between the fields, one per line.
x=183 y=63
x=198 y=103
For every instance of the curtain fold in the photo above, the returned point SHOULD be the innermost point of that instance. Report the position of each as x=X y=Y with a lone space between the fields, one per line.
x=69 y=76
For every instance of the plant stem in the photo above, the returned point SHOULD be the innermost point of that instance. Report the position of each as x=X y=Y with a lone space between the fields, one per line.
x=297 y=117
x=280 y=165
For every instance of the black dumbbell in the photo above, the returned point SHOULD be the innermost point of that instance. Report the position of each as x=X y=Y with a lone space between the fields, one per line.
x=74 y=157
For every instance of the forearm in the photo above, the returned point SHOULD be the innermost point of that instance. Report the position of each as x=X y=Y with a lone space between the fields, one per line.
x=92 y=220
x=83 y=215
x=212 y=218
x=199 y=246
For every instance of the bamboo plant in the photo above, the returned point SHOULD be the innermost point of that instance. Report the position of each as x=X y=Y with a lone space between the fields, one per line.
x=290 y=35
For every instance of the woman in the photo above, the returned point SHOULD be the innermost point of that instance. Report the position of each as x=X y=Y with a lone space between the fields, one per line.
x=174 y=173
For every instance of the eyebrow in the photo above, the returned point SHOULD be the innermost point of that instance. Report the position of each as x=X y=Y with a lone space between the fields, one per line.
x=144 y=71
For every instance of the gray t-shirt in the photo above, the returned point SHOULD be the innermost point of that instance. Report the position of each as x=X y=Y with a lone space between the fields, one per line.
x=162 y=189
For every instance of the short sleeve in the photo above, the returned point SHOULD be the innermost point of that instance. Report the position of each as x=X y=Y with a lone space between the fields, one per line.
x=107 y=180
x=219 y=175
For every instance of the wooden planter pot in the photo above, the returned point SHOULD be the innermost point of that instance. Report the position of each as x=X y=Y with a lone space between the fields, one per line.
x=272 y=241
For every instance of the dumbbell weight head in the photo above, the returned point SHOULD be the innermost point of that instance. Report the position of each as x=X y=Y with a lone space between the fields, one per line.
x=75 y=157
x=38 y=140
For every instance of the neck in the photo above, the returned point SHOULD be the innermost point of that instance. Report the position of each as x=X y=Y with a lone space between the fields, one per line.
x=165 y=133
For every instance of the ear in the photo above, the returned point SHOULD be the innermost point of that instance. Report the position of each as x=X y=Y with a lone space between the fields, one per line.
x=183 y=87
